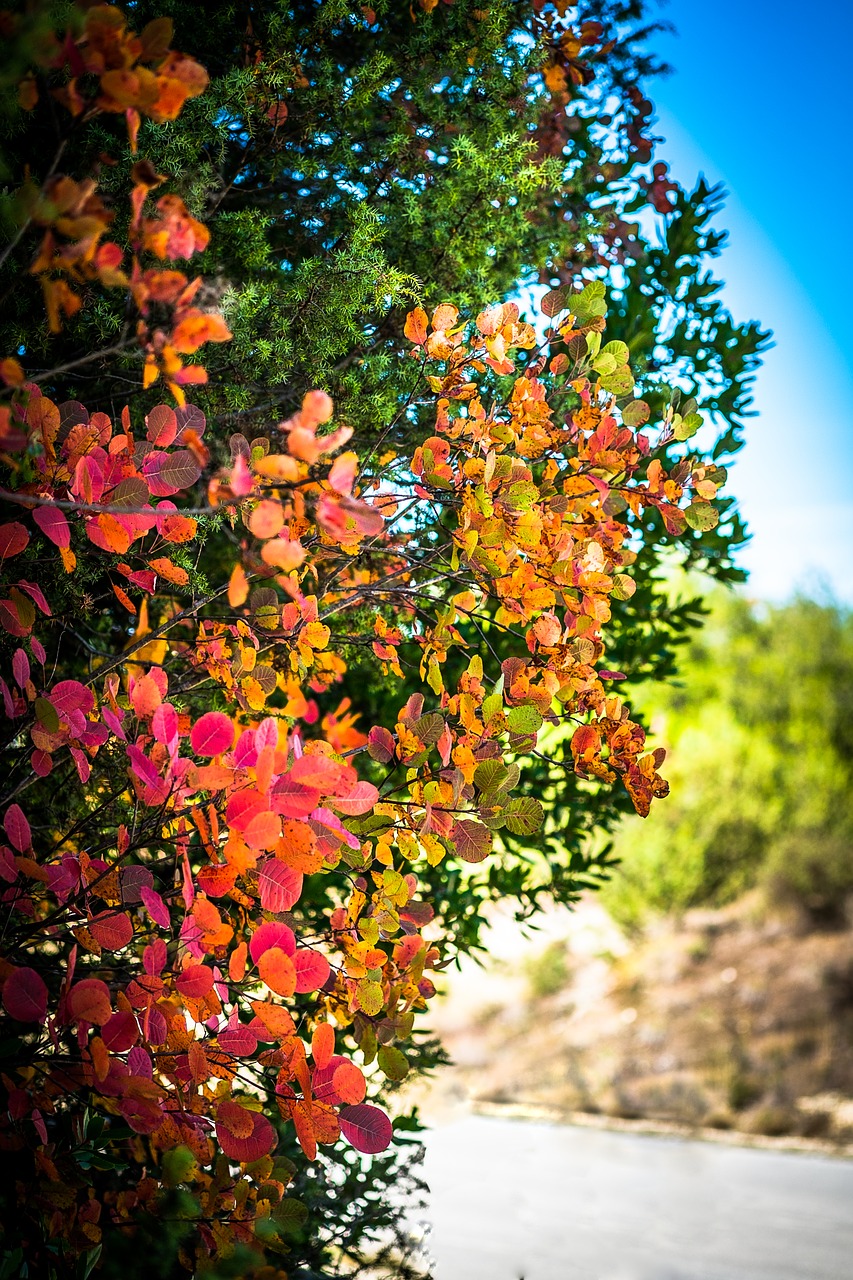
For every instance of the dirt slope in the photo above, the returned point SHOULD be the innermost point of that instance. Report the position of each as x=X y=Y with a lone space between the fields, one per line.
x=730 y=1019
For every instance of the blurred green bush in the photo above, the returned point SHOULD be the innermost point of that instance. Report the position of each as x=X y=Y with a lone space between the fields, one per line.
x=760 y=731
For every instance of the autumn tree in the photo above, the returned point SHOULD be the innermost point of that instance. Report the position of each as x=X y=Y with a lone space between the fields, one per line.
x=280 y=714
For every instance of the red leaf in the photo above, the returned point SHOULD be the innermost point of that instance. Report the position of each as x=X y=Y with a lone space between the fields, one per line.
x=196 y=981
x=367 y=1128
x=17 y=828
x=471 y=840
x=280 y=887
x=312 y=969
x=293 y=799
x=212 y=734
x=380 y=744
x=259 y=1141
x=111 y=930
x=240 y=1041
x=13 y=538
x=89 y=1001
x=120 y=1032
x=25 y=996
x=272 y=933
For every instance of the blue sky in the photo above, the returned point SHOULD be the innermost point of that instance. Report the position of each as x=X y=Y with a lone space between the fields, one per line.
x=761 y=97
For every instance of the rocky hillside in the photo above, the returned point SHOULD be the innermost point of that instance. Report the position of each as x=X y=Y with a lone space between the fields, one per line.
x=731 y=1019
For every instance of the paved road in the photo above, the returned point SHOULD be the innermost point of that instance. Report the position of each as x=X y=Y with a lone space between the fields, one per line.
x=517 y=1199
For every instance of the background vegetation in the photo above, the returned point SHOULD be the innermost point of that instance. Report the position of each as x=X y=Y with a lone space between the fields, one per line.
x=760 y=727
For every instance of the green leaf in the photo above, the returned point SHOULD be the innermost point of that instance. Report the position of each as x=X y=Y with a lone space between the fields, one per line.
x=524 y=816
x=392 y=1062
x=590 y=302
x=289 y=1214
x=687 y=427
x=524 y=720
x=429 y=728
x=620 y=382
x=636 y=414
x=491 y=706
x=490 y=775
x=46 y=714
x=605 y=363
x=523 y=495
x=702 y=516
x=619 y=350
x=623 y=586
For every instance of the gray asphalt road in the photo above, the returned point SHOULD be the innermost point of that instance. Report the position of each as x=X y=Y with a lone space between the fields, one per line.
x=517 y=1199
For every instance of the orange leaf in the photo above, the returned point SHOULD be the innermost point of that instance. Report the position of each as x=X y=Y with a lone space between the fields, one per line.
x=323 y=1043
x=238 y=587
x=171 y=572
x=197 y=329
x=237 y=962
x=277 y=1021
x=124 y=598
x=297 y=847
x=278 y=971
x=304 y=1125
x=284 y=553
x=267 y=519
x=348 y=1082
x=415 y=327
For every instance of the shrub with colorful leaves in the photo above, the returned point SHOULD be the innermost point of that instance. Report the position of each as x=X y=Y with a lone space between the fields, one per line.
x=218 y=887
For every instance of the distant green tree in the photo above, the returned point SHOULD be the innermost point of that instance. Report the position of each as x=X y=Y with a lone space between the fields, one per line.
x=759 y=725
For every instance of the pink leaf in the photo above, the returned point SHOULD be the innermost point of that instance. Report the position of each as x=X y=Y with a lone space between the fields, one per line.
x=367 y=1128
x=164 y=725
x=54 y=525
x=142 y=766
x=156 y=907
x=154 y=957
x=38 y=1121
x=212 y=734
x=312 y=969
x=280 y=886
x=361 y=799
x=71 y=695
x=20 y=668
x=25 y=996
x=17 y=828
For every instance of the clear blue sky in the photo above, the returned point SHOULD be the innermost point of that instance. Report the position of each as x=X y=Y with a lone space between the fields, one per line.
x=761 y=96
